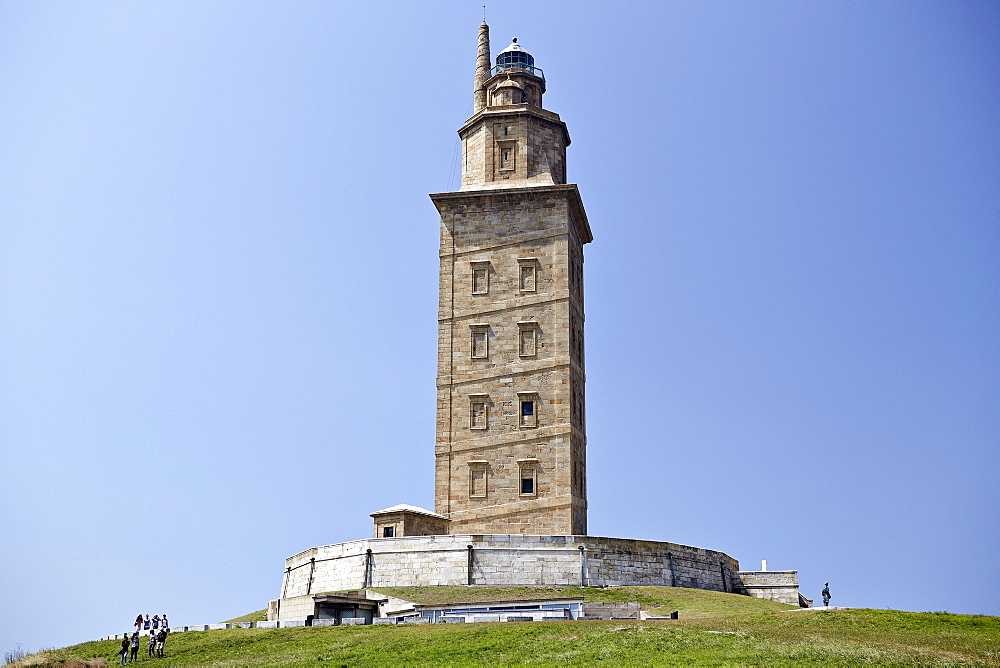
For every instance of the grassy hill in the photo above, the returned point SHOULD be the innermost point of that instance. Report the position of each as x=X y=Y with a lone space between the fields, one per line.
x=714 y=629
x=657 y=601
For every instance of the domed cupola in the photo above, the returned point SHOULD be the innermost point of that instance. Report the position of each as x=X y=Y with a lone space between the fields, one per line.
x=515 y=57
x=515 y=80
x=506 y=93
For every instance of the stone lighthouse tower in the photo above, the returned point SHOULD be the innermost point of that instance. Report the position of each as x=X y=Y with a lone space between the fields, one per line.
x=510 y=495
x=511 y=436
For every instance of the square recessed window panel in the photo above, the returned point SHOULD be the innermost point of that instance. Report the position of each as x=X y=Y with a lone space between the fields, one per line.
x=527 y=274
x=480 y=277
x=478 y=411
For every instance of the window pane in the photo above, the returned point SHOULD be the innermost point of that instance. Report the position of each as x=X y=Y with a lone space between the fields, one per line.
x=527 y=485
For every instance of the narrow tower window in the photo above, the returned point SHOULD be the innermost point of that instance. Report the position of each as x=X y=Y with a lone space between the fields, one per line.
x=527 y=477
x=506 y=152
x=528 y=413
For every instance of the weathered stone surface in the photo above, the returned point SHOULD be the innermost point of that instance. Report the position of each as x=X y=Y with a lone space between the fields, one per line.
x=404 y=520
x=523 y=238
x=510 y=332
x=482 y=618
x=610 y=610
x=780 y=586
x=511 y=559
x=324 y=622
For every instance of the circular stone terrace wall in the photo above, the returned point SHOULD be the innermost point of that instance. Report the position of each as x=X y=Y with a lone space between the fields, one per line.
x=499 y=560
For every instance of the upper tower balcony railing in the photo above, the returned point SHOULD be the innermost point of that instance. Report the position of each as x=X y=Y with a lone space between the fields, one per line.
x=514 y=67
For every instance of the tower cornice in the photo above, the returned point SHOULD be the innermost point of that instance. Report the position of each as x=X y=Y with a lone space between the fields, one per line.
x=483 y=196
x=515 y=110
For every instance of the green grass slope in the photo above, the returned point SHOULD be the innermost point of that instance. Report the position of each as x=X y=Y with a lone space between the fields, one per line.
x=718 y=630
x=259 y=616
x=657 y=601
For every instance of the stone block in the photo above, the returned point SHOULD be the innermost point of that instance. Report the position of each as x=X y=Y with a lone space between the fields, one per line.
x=518 y=618
x=241 y=625
x=216 y=627
x=199 y=627
x=483 y=618
x=352 y=621
x=267 y=625
x=324 y=622
x=292 y=622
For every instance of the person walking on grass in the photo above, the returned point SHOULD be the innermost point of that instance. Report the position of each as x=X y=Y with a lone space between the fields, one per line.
x=163 y=622
x=826 y=595
x=135 y=646
x=124 y=652
x=156 y=622
x=138 y=622
x=152 y=644
x=161 y=638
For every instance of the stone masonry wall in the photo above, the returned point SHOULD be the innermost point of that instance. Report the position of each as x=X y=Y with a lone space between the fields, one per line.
x=484 y=370
x=410 y=524
x=536 y=137
x=780 y=586
x=507 y=560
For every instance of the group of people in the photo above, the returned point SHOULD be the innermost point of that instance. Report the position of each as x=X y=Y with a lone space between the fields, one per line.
x=158 y=629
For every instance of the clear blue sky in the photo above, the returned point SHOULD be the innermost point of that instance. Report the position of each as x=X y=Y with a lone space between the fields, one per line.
x=218 y=275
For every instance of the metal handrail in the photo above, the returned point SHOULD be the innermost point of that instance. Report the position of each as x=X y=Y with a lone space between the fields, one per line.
x=530 y=69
